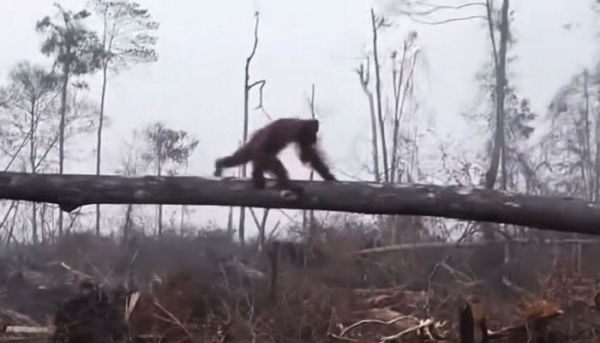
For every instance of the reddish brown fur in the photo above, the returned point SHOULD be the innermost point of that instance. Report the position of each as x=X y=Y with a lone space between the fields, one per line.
x=266 y=143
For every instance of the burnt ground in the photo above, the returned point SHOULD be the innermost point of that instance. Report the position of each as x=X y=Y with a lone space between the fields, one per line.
x=207 y=289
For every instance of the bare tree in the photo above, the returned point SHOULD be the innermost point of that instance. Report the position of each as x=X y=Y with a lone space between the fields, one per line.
x=126 y=39
x=387 y=141
x=572 y=140
x=403 y=142
x=247 y=88
x=34 y=96
x=131 y=164
x=501 y=83
x=499 y=53
x=377 y=23
x=501 y=25
x=404 y=65
x=308 y=217
x=364 y=76
x=166 y=146
x=76 y=52
x=571 y=145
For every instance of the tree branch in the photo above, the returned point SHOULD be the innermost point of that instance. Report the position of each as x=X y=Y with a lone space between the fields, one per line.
x=438 y=8
x=261 y=84
x=73 y=191
x=249 y=58
x=445 y=21
x=412 y=11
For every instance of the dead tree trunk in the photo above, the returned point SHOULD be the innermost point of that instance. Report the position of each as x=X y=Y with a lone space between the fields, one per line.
x=486 y=205
x=376 y=24
x=247 y=88
x=500 y=93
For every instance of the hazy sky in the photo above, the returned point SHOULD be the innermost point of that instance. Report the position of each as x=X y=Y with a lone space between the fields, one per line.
x=197 y=84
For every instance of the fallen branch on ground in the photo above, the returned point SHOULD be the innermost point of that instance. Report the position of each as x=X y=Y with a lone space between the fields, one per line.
x=374 y=321
x=422 y=324
x=453 y=245
x=174 y=319
x=46 y=330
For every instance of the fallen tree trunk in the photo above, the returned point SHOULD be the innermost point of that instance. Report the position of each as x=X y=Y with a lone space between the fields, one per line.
x=454 y=245
x=73 y=191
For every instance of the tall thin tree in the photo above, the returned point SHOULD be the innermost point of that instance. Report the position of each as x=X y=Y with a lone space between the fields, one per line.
x=376 y=24
x=126 y=38
x=76 y=52
x=247 y=87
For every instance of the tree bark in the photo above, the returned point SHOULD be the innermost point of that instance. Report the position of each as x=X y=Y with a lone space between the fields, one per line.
x=541 y=212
